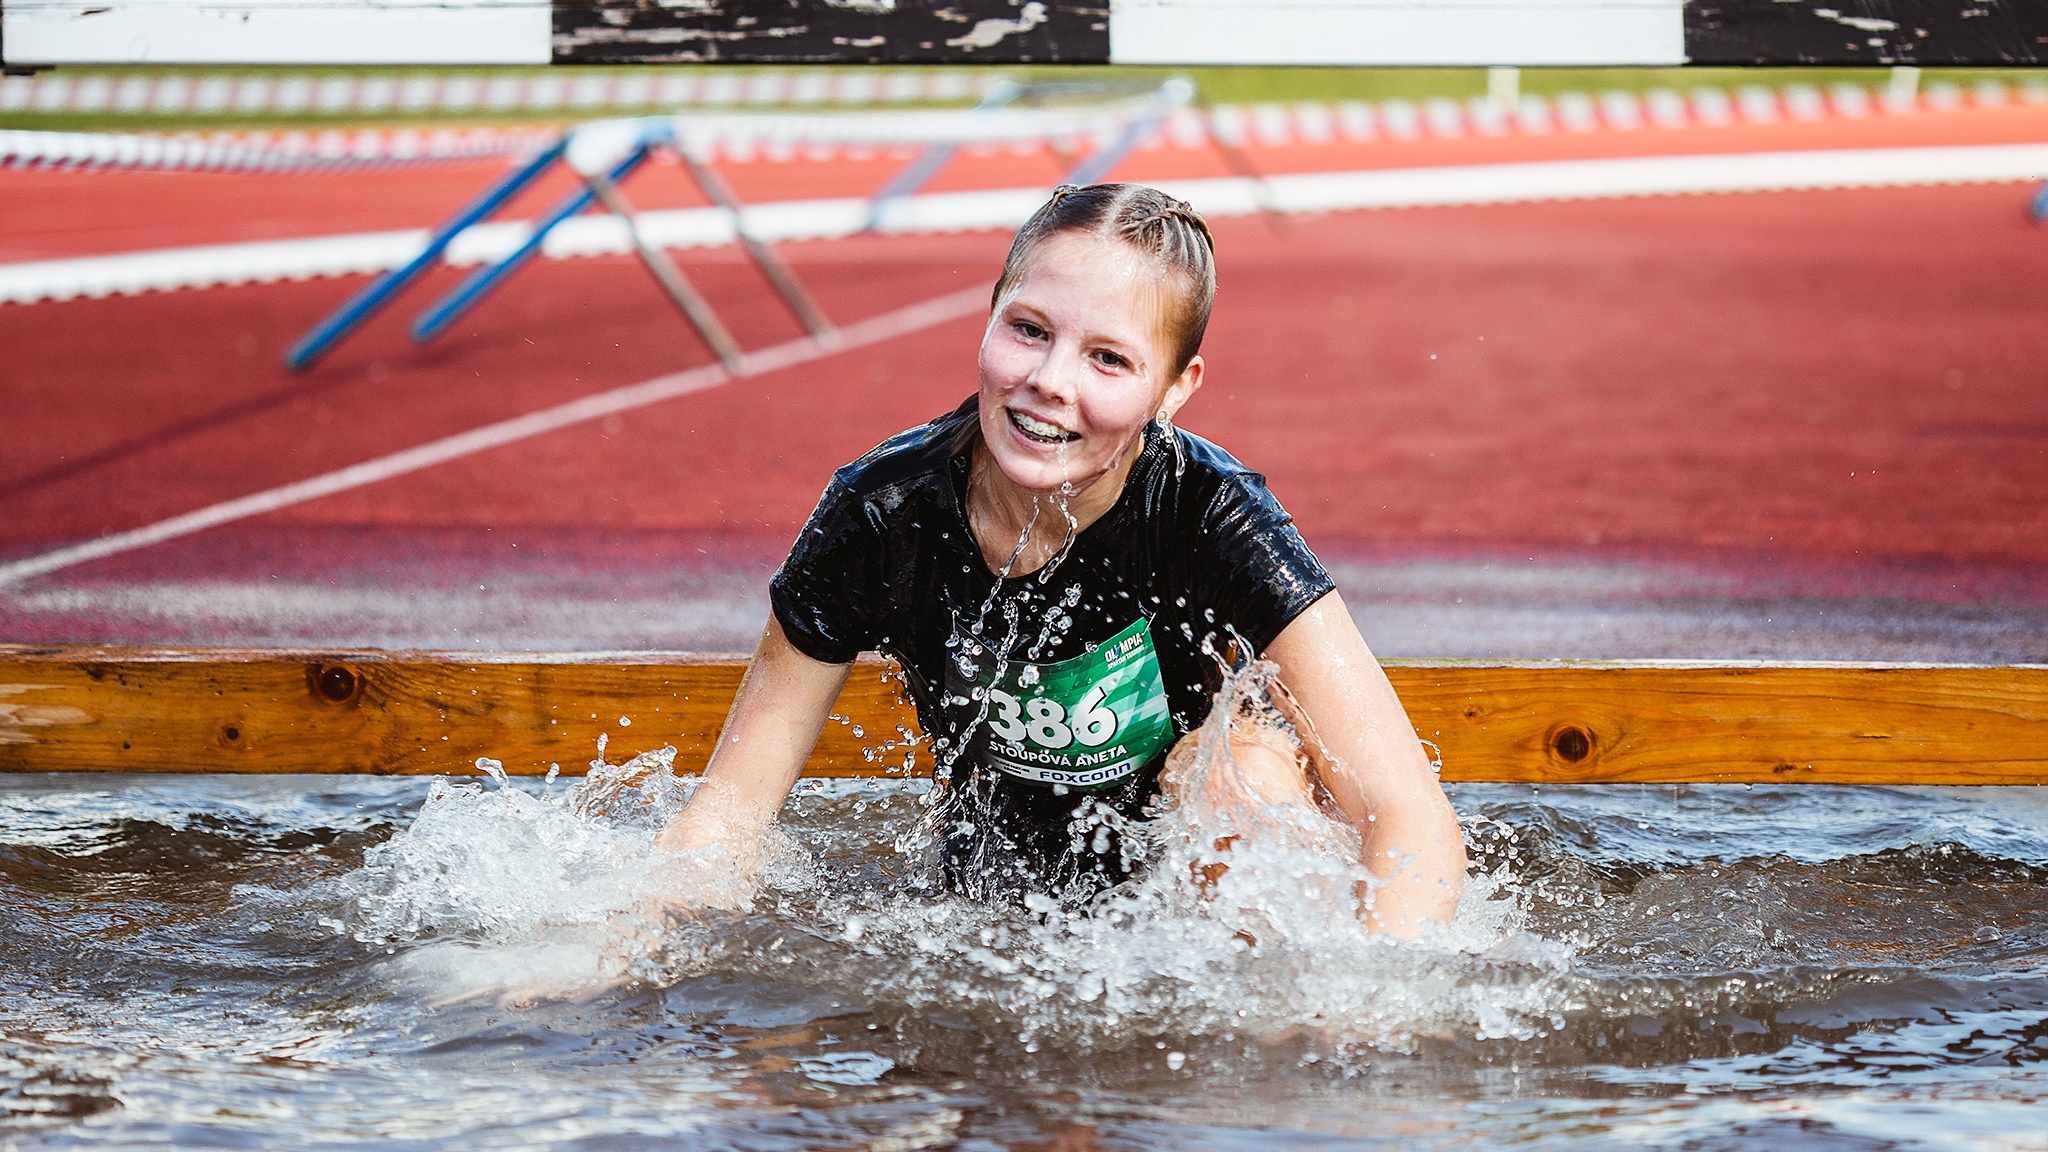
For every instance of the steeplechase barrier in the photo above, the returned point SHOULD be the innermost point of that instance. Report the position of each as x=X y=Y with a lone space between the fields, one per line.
x=1550 y=722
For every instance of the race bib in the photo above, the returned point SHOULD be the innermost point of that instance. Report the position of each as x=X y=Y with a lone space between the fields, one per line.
x=1087 y=722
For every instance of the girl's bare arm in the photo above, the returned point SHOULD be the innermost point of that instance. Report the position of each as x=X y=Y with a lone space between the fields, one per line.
x=1367 y=754
x=782 y=706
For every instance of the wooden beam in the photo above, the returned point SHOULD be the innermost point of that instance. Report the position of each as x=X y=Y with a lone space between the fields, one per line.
x=198 y=710
x=216 y=710
x=1585 y=722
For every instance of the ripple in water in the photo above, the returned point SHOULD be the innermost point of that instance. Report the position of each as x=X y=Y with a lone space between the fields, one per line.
x=203 y=961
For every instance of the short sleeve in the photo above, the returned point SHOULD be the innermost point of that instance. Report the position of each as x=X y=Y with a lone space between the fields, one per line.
x=827 y=587
x=1257 y=573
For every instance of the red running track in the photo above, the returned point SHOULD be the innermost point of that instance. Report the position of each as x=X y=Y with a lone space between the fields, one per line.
x=54 y=214
x=1829 y=377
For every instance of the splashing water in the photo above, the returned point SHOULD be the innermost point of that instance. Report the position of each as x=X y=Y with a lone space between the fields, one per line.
x=496 y=888
x=551 y=892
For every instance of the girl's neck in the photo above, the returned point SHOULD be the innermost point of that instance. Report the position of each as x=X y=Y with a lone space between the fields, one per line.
x=1000 y=512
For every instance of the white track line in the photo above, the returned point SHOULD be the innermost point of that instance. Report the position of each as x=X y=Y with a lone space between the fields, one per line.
x=1648 y=176
x=1007 y=207
x=887 y=326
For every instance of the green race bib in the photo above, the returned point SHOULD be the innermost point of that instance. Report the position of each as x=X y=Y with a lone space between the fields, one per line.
x=1086 y=723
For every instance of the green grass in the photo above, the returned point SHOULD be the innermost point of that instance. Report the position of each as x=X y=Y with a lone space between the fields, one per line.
x=1246 y=85
x=1217 y=85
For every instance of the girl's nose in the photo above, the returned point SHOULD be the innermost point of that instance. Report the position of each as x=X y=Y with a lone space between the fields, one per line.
x=1058 y=376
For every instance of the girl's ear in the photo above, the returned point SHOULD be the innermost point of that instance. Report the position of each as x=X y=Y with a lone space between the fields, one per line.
x=1181 y=390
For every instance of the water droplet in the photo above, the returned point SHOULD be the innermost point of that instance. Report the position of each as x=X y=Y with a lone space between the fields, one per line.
x=1174 y=1060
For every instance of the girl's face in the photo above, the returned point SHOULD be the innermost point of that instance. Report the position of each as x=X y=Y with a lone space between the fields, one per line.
x=1074 y=363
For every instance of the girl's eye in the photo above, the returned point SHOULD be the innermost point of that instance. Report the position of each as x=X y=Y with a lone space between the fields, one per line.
x=1029 y=331
x=1110 y=359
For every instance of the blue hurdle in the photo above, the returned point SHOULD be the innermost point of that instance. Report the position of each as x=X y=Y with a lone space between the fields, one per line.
x=604 y=153
x=477 y=284
x=932 y=157
x=374 y=295
x=1169 y=96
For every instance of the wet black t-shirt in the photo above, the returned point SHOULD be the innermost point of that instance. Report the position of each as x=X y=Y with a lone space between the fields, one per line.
x=1053 y=694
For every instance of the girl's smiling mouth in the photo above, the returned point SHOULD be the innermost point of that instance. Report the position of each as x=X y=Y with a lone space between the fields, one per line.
x=1039 y=431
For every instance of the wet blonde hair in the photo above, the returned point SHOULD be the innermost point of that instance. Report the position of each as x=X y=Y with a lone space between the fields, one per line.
x=1167 y=231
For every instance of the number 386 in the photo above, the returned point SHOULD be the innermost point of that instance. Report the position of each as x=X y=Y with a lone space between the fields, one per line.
x=1047 y=724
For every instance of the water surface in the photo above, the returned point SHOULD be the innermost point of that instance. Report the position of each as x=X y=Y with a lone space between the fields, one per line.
x=215 y=962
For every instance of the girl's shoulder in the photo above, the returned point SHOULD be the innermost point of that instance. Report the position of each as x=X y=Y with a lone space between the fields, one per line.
x=1195 y=477
x=1210 y=459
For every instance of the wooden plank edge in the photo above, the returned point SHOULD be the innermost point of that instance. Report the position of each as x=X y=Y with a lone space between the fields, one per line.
x=161 y=709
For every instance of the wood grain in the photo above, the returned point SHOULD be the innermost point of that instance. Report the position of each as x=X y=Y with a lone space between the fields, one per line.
x=197 y=710
x=157 y=710
x=1598 y=722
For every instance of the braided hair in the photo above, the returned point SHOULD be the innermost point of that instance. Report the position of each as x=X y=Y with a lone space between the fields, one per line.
x=1168 y=231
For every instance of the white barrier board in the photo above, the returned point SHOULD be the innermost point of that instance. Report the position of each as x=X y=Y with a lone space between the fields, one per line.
x=1397 y=32
x=277 y=32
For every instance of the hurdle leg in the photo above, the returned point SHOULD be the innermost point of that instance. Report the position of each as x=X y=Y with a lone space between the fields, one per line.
x=914 y=176
x=323 y=336
x=479 y=283
x=684 y=294
x=933 y=157
x=1098 y=164
x=778 y=273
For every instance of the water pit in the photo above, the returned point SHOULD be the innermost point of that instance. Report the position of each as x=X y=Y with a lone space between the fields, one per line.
x=212 y=961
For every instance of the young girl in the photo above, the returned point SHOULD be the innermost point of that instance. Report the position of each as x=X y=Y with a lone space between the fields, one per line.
x=1060 y=573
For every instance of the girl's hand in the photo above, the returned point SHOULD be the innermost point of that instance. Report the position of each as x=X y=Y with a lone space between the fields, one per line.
x=622 y=943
